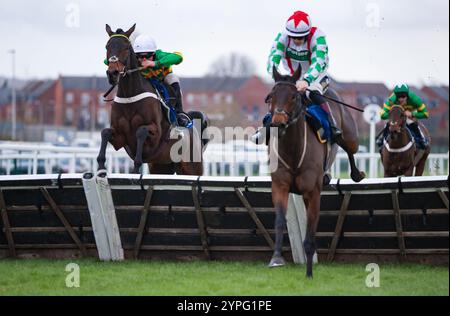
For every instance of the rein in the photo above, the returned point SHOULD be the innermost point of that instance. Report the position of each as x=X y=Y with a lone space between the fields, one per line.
x=298 y=111
x=405 y=148
x=293 y=118
x=126 y=63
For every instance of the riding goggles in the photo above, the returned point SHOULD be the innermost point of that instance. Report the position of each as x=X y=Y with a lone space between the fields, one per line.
x=145 y=55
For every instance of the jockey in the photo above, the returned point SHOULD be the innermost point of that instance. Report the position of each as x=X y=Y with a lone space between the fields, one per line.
x=302 y=44
x=415 y=109
x=158 y=65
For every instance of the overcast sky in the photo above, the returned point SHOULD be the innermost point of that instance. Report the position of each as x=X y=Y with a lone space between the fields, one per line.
x=369 y=40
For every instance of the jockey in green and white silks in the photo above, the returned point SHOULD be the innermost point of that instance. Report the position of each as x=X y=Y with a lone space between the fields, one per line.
x=415 y=109
x=302 y=44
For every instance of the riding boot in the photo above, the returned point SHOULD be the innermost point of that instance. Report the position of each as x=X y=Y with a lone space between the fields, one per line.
x=183 y=118
x=263 y=134
x=336 y=132
x=420 y=140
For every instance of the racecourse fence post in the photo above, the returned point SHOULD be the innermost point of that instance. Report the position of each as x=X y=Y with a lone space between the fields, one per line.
x=7 y=226
x=296 y=224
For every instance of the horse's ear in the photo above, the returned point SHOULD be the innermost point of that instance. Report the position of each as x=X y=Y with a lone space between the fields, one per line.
x=131 y=30
x=276 y=75
x=108 y=30
x=297 y=74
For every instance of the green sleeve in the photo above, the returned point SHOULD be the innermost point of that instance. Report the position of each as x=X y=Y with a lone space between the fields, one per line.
x=276 y=53
x=318 y=59
x=421 y=110
x=168 y=59
x=388 y=107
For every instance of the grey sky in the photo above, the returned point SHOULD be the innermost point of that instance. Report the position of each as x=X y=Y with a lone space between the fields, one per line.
x=411 y=43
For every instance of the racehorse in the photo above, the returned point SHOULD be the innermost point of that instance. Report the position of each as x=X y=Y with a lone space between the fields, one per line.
x=399 y=154
x=301 y=159
x=138 y=123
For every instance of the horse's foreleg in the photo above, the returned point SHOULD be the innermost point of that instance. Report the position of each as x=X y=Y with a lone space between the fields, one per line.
x=312 y=203
x=141 y=136
x=107 y=136
x=280 y=196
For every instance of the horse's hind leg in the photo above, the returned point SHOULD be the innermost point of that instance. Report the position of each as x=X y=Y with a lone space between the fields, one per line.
x=141 y=135
x=351 y=148
x=420 y=168
x=189 y=168
x=163 y=169
x=107 y=136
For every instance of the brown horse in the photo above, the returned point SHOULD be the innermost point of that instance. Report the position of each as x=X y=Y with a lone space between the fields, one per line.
x=399 y=154
x=301 y=159
x=138 y=123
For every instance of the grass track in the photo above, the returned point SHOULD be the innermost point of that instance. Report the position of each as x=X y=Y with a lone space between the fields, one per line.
x=45 y=277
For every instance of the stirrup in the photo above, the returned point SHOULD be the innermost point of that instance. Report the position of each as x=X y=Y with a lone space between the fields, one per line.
x=184 y=118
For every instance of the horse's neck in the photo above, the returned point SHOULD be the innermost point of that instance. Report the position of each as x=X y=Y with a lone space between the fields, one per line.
x=403 y=140
x=291 y=145
x=132 y=84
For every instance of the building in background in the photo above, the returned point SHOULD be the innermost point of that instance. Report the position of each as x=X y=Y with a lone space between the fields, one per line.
x=76 y=104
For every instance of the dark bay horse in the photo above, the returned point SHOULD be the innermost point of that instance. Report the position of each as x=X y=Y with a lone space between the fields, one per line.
x=399 y=154
x=138 y=123
x=301 y=159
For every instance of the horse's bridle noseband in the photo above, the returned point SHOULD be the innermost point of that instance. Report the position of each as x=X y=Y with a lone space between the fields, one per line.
x=294 y=116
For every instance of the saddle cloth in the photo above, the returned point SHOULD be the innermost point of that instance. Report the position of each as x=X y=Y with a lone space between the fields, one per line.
x=164 y=96
x=317 y=118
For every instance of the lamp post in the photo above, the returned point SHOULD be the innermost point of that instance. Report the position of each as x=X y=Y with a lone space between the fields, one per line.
x=13 y=94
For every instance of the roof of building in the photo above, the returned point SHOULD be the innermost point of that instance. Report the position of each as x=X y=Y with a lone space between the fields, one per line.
x=369 y=89
x=84 y=83
x=441 y=91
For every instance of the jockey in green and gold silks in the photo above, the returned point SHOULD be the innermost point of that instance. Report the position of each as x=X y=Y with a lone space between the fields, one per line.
x=158 y=65
x=415 y=109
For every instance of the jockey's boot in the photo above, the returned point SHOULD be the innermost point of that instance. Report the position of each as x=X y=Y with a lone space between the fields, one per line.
x=417 y=134
x=263 y=134
x=183 y=119
x=336 y=132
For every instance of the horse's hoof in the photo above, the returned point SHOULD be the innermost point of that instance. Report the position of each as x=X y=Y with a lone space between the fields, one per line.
x=102 y=173
x=358 y=177
x=277 y=262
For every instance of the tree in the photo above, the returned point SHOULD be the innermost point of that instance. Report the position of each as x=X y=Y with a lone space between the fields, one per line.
x=232 y=65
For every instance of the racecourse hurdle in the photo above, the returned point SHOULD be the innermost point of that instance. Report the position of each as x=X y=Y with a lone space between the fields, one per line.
x=187 y=218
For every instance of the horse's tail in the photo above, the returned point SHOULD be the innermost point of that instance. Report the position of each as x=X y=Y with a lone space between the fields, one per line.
x=197 y=115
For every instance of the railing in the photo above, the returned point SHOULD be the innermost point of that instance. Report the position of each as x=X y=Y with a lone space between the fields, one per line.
x=34 y=159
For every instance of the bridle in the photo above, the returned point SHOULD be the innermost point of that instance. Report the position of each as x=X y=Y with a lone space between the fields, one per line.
x=126 y=63
x=299 y=107
x=401 y=126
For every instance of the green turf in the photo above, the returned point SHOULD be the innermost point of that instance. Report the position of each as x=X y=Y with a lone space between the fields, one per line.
x=45 y=277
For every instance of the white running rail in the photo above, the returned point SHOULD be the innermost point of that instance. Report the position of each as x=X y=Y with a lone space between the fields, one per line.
x=43 y=159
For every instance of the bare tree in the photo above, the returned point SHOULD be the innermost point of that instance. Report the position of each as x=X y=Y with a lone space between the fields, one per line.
x=232 y=65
